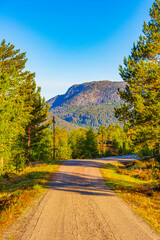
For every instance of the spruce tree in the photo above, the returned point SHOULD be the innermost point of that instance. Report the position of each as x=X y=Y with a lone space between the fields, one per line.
x=141 y=72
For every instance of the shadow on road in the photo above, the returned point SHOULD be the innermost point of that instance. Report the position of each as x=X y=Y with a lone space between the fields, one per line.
x=97 y=162
x=72 y=179
x=81 y=184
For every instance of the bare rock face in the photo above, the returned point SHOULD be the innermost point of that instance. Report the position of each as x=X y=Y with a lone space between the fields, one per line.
x=88 y=93
x=89 y=103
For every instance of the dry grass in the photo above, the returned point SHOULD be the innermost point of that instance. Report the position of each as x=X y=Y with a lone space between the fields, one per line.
x=19 y=189
x=138 y=184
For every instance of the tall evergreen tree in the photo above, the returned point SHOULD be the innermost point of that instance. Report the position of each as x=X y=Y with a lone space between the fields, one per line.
x=39 y=113
x=23 y=112
x=13 y=112
x=42 y=150
x=141 y=72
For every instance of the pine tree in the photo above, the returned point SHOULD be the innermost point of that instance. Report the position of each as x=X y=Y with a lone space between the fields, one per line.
x=23 y=112
x=39 y=113
x=141 y=96
x=13 y=112
x=42 y=150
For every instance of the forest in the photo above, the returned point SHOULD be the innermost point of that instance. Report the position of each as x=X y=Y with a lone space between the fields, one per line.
x=33 y=143
x=25 y=133
x=25 y=126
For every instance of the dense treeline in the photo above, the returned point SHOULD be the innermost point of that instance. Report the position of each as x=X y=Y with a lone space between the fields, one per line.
x=87 y=143
x=23 y=112
x=141 y=72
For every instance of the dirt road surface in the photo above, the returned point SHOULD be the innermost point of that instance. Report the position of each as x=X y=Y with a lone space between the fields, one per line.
x=79 y=206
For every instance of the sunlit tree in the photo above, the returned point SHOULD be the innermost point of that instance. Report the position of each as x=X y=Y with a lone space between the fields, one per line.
x=14 y=114
x=141 y=96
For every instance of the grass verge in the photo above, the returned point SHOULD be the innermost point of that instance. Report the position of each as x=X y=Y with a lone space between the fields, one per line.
x=138 y=183
x=19 y=189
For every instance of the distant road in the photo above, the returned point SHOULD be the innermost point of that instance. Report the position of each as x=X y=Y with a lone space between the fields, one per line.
x=79 y=206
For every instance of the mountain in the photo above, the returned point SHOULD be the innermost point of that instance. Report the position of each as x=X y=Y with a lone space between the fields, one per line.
x=89 y=103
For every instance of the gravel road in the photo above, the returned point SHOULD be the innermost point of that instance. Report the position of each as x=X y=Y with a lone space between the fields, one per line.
x=79 y=206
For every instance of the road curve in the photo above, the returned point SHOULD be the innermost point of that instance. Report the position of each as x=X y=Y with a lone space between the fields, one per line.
x=79 y=206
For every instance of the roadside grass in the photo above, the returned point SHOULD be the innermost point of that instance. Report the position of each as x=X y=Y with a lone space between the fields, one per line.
x=138 y=183
x=19 y=188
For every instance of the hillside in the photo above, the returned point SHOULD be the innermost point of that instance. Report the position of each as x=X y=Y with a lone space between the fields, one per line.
x=62 y=123
x=88 y=103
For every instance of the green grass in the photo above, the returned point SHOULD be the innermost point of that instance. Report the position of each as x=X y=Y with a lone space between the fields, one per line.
x=17 y=192
x=129 y=182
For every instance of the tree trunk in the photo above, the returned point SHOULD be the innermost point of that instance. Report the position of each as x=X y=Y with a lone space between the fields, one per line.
x=1 y=161
x=29 y=143
x=38 y=155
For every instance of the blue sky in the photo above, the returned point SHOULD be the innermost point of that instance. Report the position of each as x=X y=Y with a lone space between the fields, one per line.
x=73 y=41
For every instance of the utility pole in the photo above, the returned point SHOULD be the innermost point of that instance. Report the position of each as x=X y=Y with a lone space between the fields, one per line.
x=102 y=143
x=54 y=138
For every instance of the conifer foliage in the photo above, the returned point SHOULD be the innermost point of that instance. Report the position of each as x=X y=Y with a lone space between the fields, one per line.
x=21 y=107
x=141 y=96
